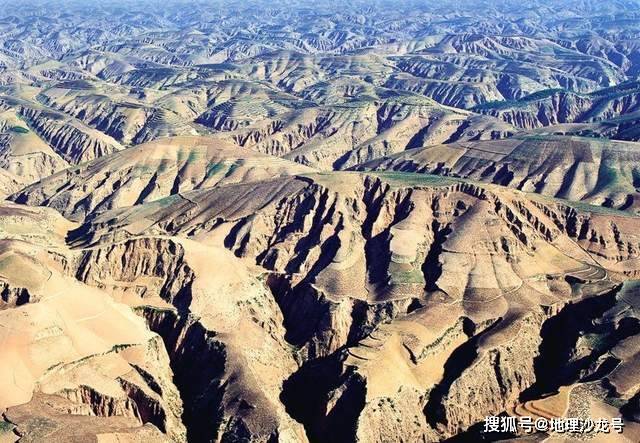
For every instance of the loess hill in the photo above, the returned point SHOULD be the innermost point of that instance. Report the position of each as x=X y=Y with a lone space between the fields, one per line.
x=252 y=222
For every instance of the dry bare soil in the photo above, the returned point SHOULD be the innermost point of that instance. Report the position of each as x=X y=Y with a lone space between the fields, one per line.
x=270 y=222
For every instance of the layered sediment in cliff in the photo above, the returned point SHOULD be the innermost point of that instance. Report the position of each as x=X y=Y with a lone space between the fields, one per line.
x=446 y=284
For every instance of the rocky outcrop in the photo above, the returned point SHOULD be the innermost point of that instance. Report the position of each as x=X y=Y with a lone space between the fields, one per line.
x=127 y=120
x=595 y=171
x=491 y=384
x=219 y=288
x=119 y=268
x=12 y=296
x=73 y=344
x=152 y=171
x=197 y=318
x=398 y=297
x=343 y=261
x=557 y=106
x=71 y=141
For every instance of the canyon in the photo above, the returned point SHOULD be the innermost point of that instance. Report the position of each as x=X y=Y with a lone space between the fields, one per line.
x=289 y=222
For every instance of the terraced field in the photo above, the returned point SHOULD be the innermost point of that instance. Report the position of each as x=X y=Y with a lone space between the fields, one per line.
x=231 y=221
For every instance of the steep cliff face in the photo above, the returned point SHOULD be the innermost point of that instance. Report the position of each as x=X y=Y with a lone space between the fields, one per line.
x=71 y=343
x=235 y=395
x=464 y=95
x=443 y=283
x=73 y=141
x=228 y=325
x=329 y=222
x=448 y=285
x=159 y=264
x=101 y=372
x=48 y=417
x=428 y=376
x=233 y=104
x=557 y=106
x=39 y=141
x=152 y=171
x=493 y=381
x=23 y=155
x=600 y=172
x=425 y=131
x=115 y=112
x=378 y=241
x=332 y=136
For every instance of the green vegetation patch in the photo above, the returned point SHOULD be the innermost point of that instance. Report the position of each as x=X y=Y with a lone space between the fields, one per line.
x=194 y=156
x=121 y=347
x=181 y=155
x=407 y=277
x=144 y=170
x=163 y=166
x=447 y=335
x=596 y=341
x=19 y=130
x=231 y=169
x=7 y=261
x=167 y=201
x=607 y=177
x=540 y=95
x=414 y=178
x=580 y=205
x=218 y=66
x=536 y=96
x=80 y=85
x=621 y=89
x=214 y=168
x=5 y=427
